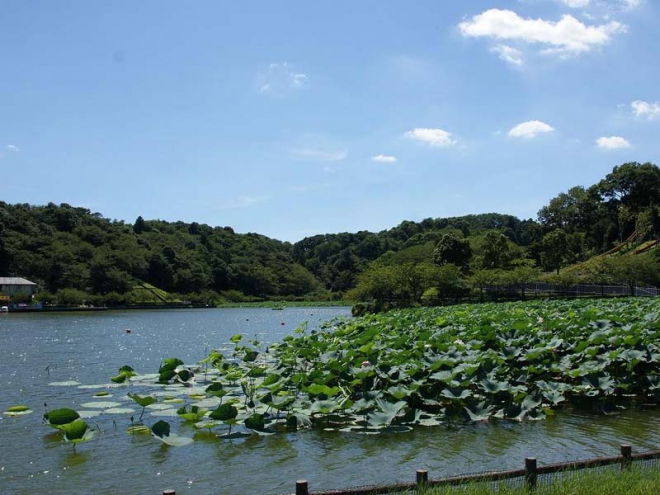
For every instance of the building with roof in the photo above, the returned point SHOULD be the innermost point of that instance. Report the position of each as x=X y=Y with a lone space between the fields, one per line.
x=14 y=285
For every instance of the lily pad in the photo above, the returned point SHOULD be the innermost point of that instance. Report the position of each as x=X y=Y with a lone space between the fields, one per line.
x=59 y=417
x=100 y=404
x=19 y=410
x=138 y=430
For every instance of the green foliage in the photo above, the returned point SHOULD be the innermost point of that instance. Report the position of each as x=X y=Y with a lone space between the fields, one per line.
x=633 y=270
x=450 y=249
x=59 y=417
x=461 y=363
x=495 y=251
x=62 y=247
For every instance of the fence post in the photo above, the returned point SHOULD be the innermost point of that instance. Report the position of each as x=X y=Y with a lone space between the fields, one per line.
x=626 y=457
x=422 y=478
x=530 y=472
x=302 y=488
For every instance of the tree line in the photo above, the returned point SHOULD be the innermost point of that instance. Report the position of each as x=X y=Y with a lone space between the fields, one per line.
x=74 y=252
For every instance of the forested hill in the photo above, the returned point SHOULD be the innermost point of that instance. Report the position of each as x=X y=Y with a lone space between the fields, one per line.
x=65 y=247
x=337 y=259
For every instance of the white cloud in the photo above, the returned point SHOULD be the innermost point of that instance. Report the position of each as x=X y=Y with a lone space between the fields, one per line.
x=576 y=4
x=568 y=36
x=612 y=143
x=323 y=155
x=531 y=129
x=280 y=78
x=508 y=54
x=383 y=158
x=631 y=4
x=434 y=137
x=645 y=109
x=13 y=148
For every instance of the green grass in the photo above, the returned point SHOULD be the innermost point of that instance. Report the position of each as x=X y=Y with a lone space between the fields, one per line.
x=637 y=481
x=147 y=293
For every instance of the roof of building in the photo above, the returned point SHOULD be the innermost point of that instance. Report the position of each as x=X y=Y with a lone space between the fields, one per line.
x=15 y=281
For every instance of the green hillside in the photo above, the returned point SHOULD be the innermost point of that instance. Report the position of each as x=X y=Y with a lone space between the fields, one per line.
x=71 y=249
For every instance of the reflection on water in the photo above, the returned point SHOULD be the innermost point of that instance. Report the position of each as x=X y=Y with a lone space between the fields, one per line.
x=40 y=349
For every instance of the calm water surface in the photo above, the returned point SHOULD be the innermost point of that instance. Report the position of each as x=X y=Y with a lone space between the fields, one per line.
x=40 y=349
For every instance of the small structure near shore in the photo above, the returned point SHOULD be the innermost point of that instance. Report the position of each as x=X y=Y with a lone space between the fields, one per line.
x=15 y=285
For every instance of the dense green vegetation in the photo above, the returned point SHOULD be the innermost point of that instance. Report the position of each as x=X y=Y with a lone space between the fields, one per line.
x=77 y=256
x=418 y=367
x=72 y=253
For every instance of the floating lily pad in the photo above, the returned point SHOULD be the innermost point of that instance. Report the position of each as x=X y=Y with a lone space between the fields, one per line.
x=165 y=413
x=138 y=430
x=208 y=403
x=100 y=404
x=19 y=410
x=90 y=414
x=68 y=383
x=119 y=410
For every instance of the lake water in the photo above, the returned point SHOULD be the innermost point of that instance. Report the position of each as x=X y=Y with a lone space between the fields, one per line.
x=37 y=350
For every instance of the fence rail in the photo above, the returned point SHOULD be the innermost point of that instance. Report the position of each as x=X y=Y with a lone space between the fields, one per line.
x=574 y=290
x=529 y=475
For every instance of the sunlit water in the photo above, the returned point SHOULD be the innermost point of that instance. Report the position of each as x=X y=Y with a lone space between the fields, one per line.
x=37 y=350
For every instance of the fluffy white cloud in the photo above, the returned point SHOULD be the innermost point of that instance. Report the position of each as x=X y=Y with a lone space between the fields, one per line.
x=576 y=4
x=13 y=148
x=612 y=143
x=567 y=36
x=279 y=78
x=530 y=129
x=434 y=137
x=383 y=158
x=645 y=109
x=509 y=54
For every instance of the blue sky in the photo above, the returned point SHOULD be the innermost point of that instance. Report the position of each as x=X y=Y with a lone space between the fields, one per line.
x=298 y=118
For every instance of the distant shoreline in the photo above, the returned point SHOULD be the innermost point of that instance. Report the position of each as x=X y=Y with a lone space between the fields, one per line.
x=266 y=305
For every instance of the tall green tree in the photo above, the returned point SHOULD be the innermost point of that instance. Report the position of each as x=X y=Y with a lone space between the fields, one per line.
x=452 y=250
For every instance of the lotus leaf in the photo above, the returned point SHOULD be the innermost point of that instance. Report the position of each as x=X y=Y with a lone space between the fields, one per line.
x=224 y=412
x=143 y=401
x=59 y=417
x=19 y=410
x=138 y=430
x=255 y=422
x=170 y=364
x=77 y=431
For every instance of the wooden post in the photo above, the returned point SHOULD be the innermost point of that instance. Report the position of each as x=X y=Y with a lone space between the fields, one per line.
x=626 y=457
x=530 y=473
x=422 y=478
x=169 y=492
x=302 y=487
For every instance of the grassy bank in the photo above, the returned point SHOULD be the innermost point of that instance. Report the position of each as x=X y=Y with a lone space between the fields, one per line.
x=637 y=481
